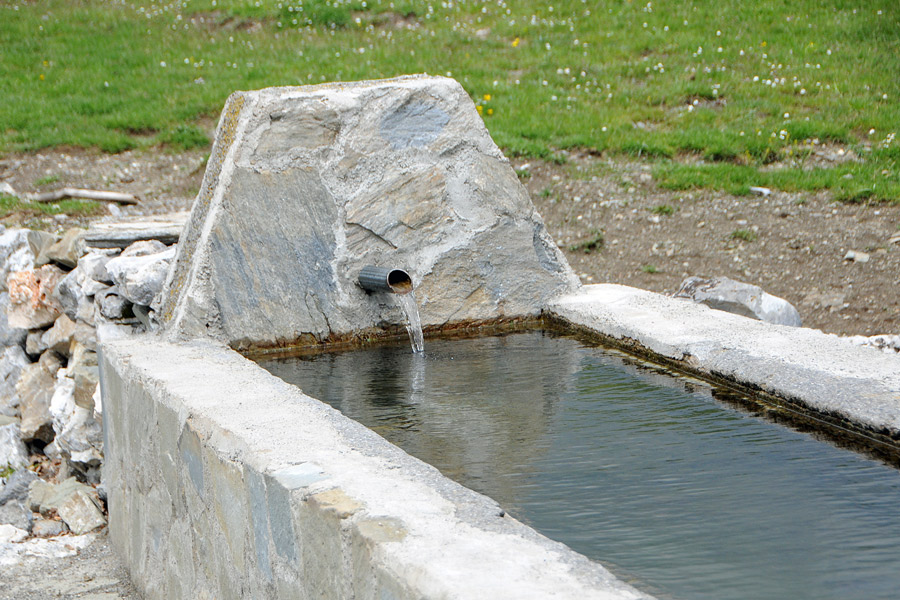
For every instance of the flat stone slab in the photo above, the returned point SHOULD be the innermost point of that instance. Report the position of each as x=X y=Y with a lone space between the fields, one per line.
x=121 y=234
x=819 y=370
x=306 y=185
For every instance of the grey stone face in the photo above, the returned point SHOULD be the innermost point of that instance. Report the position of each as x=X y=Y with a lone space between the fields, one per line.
x=9 y=336
x=415 y=123
x=140 y=276
x=12 y=451
x=308 y=185
x=16 y=487
x=12 y=361
x=35 y=389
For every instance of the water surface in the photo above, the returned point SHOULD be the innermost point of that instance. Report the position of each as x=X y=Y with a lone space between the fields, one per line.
x=677 y=493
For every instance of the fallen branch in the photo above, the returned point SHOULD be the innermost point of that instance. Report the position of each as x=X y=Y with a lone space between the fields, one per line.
x=64 y=193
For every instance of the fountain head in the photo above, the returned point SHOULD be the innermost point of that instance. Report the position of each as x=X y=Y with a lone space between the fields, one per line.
x=384 y=279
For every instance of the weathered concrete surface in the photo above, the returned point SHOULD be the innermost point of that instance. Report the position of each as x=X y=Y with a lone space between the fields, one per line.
x=307 y=185
x=817 y=369
x=223 y=481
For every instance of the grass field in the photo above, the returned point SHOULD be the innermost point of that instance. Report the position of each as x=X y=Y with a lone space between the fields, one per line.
x=718 y=94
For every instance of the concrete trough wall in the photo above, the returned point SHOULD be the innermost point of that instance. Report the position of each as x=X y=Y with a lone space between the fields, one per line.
x=225 y=482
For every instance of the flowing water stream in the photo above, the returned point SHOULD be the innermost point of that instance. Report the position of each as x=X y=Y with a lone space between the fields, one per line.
x=413 y=323
x=675 y=491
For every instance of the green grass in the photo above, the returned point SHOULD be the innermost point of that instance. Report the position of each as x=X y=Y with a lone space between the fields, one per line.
x=11 y=204
x=594 y=243
x=46 y=180
x=744 y=235
x=650 y=269
x=663 y=210
x=737 y=84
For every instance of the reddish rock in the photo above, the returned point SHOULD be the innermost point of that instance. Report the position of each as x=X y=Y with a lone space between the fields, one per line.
x=31 y=305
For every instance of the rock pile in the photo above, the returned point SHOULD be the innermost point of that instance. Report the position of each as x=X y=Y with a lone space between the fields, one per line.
x=54 y=292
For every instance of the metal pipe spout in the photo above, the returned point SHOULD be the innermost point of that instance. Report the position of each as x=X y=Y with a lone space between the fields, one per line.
x=385 y=279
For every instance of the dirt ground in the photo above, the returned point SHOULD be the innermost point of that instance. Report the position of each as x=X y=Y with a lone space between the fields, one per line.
x=795 y=244
x=93 y=573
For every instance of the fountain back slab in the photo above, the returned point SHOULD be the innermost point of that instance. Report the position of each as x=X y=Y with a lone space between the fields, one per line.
x=305 y=184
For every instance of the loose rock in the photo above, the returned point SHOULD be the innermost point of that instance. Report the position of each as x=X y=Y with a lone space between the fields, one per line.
x=739 y=298
x=9 y=335
x=18 y=249
x=67 y=250
x=16 y=488
x=59 y=337
x=44 y=528
x=15 y=513
x=112 y=305
x=13 y=453
x=140 y=278
x=31 y=302
x=81 y=514
x=93 y=265
x=35 y=388
x=34 y=342
x=12 y=361
x=69 y=293
x=856 y=256
x=46 y=498
x=143 y=248
x=10 y=534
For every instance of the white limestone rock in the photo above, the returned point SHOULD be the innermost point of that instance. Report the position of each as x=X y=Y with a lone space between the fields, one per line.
x=9 y=335
x=59 y=337
x=35 y=388
x=13 y=453
x=93 y=265
x=739 y=298
x=31 y=301
x=140 y=277
x=12 y=362
x=81 y=513
x=19 y=249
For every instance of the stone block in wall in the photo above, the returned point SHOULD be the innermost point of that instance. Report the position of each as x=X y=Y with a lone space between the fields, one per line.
x=19 y=249
x=307 y=185
x=12 y=362
x=9 y=335
x=140 y=276
x=35 y=389
x=59 y=337
x=67 y=250
x=31 y=301
x=13 y=453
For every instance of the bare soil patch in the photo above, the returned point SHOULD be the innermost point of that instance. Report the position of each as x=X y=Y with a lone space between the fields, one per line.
x=798 y=251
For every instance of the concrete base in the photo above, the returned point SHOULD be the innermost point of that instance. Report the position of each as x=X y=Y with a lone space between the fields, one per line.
x=826 y=378
x=225 y=482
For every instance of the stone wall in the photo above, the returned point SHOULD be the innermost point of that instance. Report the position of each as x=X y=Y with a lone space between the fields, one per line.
x=225 y=482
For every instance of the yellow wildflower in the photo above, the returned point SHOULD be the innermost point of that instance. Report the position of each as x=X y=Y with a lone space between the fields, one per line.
x=42 y=76
x=478 y=107
x=487 y=97
x=490 y=111
x=515 y=43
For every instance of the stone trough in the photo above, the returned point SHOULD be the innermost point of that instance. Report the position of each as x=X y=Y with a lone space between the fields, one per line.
x=223 y=481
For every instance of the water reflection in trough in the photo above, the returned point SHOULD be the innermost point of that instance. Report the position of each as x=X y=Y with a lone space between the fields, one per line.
x=678 y=493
